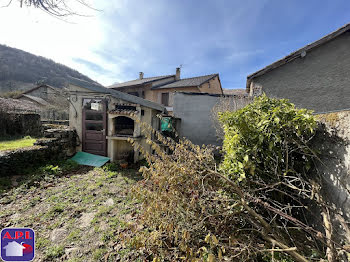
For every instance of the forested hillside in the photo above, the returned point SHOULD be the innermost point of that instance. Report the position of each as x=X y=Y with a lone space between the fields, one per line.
x=20 y=70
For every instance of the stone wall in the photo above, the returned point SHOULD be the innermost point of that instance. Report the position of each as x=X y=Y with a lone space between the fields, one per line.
x=12 y=124
x=331 y=144
x=57 y=144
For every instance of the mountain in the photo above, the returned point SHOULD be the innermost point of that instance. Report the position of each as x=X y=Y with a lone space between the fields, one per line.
x=20 y=71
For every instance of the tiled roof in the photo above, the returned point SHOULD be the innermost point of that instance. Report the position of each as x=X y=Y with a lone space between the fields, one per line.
x=38 y=100
x=9 y=104
x=235 y=92
x=193 y=81
x=38 y=86
x=95 y=87
x=140 y=81
x=122 y=111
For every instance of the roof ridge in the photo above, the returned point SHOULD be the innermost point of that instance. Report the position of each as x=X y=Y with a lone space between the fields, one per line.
x=295 y=54
x=154 y=77
x=185 y=82
x=143 y=79
x=196 y=77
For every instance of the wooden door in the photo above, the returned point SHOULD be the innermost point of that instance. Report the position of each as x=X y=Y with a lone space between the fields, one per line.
x=94 y=126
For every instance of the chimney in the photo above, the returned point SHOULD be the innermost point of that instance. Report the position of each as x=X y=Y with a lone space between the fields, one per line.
x=178 y=71
x=141 y=75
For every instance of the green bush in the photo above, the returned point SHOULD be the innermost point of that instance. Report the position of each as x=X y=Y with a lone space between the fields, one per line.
x=267 y=139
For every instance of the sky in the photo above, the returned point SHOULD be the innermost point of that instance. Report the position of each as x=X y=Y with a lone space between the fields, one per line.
x=231 y=37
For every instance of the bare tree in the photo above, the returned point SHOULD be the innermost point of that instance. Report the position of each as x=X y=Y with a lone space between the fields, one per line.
x=57 y=8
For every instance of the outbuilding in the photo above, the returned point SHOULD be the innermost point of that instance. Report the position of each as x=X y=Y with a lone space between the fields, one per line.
x=105 y=119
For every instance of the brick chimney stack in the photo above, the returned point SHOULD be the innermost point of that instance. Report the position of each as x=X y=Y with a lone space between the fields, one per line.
x=141 y=75
x=178 y=71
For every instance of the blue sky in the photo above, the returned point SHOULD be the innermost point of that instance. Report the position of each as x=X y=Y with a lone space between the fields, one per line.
x=229 y=37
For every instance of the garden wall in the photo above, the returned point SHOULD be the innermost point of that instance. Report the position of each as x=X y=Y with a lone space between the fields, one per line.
x=331 y=144
x=57 y=144
x=27 y=124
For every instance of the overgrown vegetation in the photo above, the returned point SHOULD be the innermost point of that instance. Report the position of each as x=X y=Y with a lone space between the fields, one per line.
x=26 y=141
x=260 y=203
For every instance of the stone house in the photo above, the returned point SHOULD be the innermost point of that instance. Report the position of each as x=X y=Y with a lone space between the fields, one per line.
x=161 y=89
x=45 y=95
x=51 y=101
x=105 y=119
x=316 y=76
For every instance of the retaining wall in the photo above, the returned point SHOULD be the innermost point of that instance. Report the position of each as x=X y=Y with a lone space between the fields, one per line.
x=331 y=144
x=57 y=144
x=12 y=124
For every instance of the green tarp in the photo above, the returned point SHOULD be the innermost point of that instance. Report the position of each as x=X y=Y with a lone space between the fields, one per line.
x=87 y=159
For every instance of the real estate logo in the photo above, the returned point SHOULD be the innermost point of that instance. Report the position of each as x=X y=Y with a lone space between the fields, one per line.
x=17 y=244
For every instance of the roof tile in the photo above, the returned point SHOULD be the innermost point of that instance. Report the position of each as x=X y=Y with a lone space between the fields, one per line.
x=139 y=81
x=193 y=81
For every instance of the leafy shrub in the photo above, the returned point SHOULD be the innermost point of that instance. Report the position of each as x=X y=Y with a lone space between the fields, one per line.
x=266 y=139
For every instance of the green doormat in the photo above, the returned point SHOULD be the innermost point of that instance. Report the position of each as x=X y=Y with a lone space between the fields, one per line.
x=87 y=159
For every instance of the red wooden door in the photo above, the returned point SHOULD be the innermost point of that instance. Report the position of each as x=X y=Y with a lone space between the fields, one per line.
x=94 y=126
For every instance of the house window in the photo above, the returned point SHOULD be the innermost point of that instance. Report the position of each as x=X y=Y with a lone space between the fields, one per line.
x=143 y=94
x=165 y=99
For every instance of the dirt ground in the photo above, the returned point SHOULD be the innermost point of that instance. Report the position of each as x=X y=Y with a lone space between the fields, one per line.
x=77 y=215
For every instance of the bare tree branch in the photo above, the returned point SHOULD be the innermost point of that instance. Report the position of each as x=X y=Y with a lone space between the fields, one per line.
x=56 y=8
